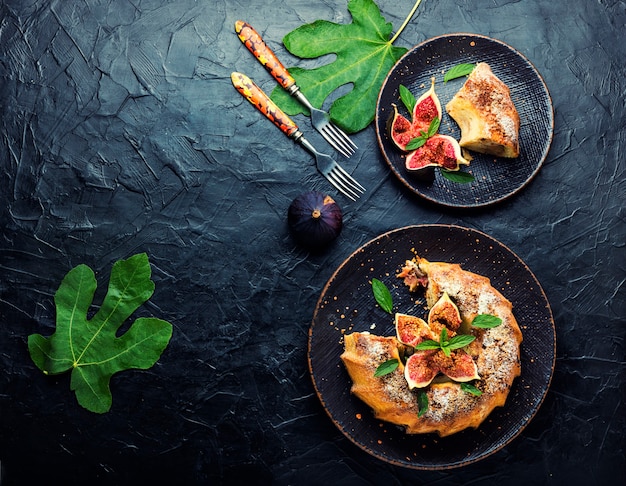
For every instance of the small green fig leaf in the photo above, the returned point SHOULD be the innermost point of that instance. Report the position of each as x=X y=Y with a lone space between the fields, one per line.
x=90 y=348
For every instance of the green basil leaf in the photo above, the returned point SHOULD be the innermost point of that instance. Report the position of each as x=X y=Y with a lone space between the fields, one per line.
x=486 y=321
x=466 y=387
x=415 y=143
x=407 y=98
x=433 y=128
x=382 y=295
x=458 y=71
x=422 y=403
x=460 y=341
x=457 y=176
x=387 y=367
x=428 y=344
x=443 y=338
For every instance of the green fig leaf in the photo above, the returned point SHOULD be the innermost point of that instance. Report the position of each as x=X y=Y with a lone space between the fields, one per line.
x=364 y=56
x=91 y=348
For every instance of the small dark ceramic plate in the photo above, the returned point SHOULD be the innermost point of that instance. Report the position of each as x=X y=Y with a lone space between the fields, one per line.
x=347 y=305
x=496 y=178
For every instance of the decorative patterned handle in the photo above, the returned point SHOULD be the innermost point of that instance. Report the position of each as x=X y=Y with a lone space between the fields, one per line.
x=256 y=45
x=263 y=103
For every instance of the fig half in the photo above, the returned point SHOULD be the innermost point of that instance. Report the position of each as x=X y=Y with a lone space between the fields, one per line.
x=412 y=330
x=439 y=151
x=426 y=108
x=444 y=313
x=423 y=366
x=460 y=367
x=419 y=371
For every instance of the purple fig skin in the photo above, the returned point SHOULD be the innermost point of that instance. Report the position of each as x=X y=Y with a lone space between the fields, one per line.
x=315 y=219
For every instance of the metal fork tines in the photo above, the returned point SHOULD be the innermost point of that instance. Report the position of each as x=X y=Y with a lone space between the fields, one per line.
x=322 y=123
x=330 y=169
x=319 y=118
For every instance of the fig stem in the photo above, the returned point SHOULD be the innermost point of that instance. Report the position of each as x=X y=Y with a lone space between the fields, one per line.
x=406 y=21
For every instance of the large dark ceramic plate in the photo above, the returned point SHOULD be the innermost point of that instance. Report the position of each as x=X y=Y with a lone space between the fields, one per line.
x=347 y=305
x=495 y=178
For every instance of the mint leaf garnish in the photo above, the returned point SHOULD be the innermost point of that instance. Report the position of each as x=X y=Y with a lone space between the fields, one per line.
x=408 y=98
x=458 y=71
x=422 y=403
x=486 y=321
x=417 y=142
x=387 y=367
x=468 y=388
x=428 y=344
x=460 y=341
x=457 y=176
x=446 y=345
x=382 y=295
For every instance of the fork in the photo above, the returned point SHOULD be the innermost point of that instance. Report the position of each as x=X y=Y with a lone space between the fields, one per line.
x=319 y=118
x=327 y=166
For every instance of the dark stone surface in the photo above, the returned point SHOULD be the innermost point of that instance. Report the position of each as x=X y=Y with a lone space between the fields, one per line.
x=122 y=133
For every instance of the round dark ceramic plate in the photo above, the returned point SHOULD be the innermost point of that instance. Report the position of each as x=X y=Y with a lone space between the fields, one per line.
x=496 y=178
x=347 y=305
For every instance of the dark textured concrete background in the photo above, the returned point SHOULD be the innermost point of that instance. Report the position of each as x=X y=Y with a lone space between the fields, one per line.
x=121 y=133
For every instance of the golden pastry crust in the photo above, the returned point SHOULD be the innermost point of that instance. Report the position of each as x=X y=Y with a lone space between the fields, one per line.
x=485 y=112
x=388 y=396
x=450 y=410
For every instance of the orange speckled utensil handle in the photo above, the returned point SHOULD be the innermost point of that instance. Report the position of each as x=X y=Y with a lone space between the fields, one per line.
x=263 y=103
x=256 y=45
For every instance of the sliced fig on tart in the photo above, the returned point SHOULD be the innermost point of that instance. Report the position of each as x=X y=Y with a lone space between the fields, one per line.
x=422 y=367
x=419 y=370
x=460 y=366
x=444 y=313
x=412 y=330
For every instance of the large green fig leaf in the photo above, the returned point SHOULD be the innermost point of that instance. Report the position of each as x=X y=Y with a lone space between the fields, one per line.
x=364 y=56
x=90 y=348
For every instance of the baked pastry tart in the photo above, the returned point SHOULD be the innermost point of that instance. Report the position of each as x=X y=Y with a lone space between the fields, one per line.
x=486 y=115
x=490 y=362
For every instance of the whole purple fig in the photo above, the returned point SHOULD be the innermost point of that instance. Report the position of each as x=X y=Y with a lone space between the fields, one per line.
x=315 y=219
